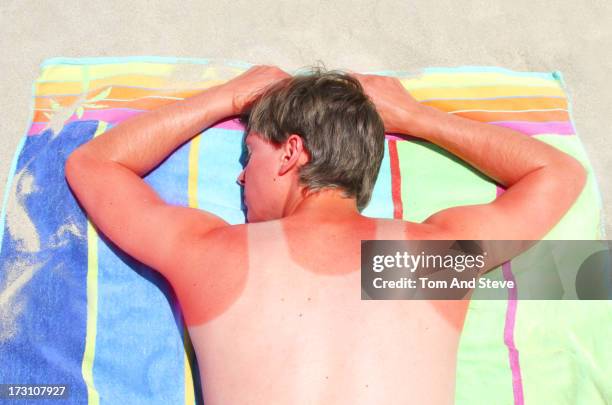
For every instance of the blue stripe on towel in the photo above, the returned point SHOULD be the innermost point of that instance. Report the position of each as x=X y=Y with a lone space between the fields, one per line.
x=219 y=167
x=381 y=203
x=43 y=329
x=139 y=349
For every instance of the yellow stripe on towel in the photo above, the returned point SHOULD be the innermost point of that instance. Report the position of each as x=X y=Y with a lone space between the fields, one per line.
x=483 y=91
x=192 y=195
x=481 y=79
x=93 y=398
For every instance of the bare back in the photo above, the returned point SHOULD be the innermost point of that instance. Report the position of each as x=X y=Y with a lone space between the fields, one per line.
x=279 y=319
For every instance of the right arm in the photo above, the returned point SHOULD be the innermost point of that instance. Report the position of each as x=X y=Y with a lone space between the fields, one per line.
x=542 y=182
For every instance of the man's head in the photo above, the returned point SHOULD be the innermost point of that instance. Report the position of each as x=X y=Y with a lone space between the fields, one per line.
x=316 y=131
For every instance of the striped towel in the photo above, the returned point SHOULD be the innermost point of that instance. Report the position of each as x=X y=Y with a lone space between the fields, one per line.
x=75 y=310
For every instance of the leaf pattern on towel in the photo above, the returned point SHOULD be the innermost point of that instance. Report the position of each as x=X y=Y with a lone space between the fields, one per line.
x=61 y=114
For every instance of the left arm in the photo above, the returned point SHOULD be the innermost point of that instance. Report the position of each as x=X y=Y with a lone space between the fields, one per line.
x=106 y=173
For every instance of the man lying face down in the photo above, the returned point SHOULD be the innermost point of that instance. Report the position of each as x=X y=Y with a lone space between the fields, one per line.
x=273 y=306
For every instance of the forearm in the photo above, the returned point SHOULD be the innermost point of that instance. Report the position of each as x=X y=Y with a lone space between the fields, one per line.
x=142 y=142
x=501 y=153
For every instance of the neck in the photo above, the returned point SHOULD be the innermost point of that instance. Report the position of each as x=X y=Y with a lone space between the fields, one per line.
x=327 y=204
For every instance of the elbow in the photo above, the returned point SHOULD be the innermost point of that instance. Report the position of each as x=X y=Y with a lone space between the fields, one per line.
x=71 y=166
x=74 y=166
x=579 y=176
x=573 y=176
x=582 y=177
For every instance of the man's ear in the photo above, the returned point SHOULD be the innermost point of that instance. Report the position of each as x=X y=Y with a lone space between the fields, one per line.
x=294 y=154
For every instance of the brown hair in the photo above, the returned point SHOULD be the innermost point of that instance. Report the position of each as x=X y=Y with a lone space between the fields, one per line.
x=337 y=122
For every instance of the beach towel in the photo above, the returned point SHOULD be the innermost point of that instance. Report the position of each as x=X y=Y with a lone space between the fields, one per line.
x=75 y=310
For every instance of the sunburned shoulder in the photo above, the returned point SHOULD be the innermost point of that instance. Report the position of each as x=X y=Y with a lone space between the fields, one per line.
x=230 y=245
x=385 y=228
x=220 y=247
x=397 y=229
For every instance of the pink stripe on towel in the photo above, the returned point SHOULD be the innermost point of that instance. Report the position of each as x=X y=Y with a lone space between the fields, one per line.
x=112 y=116
x=533 y=128
x=233 y=124
x=115 y=116
x=513 y=354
